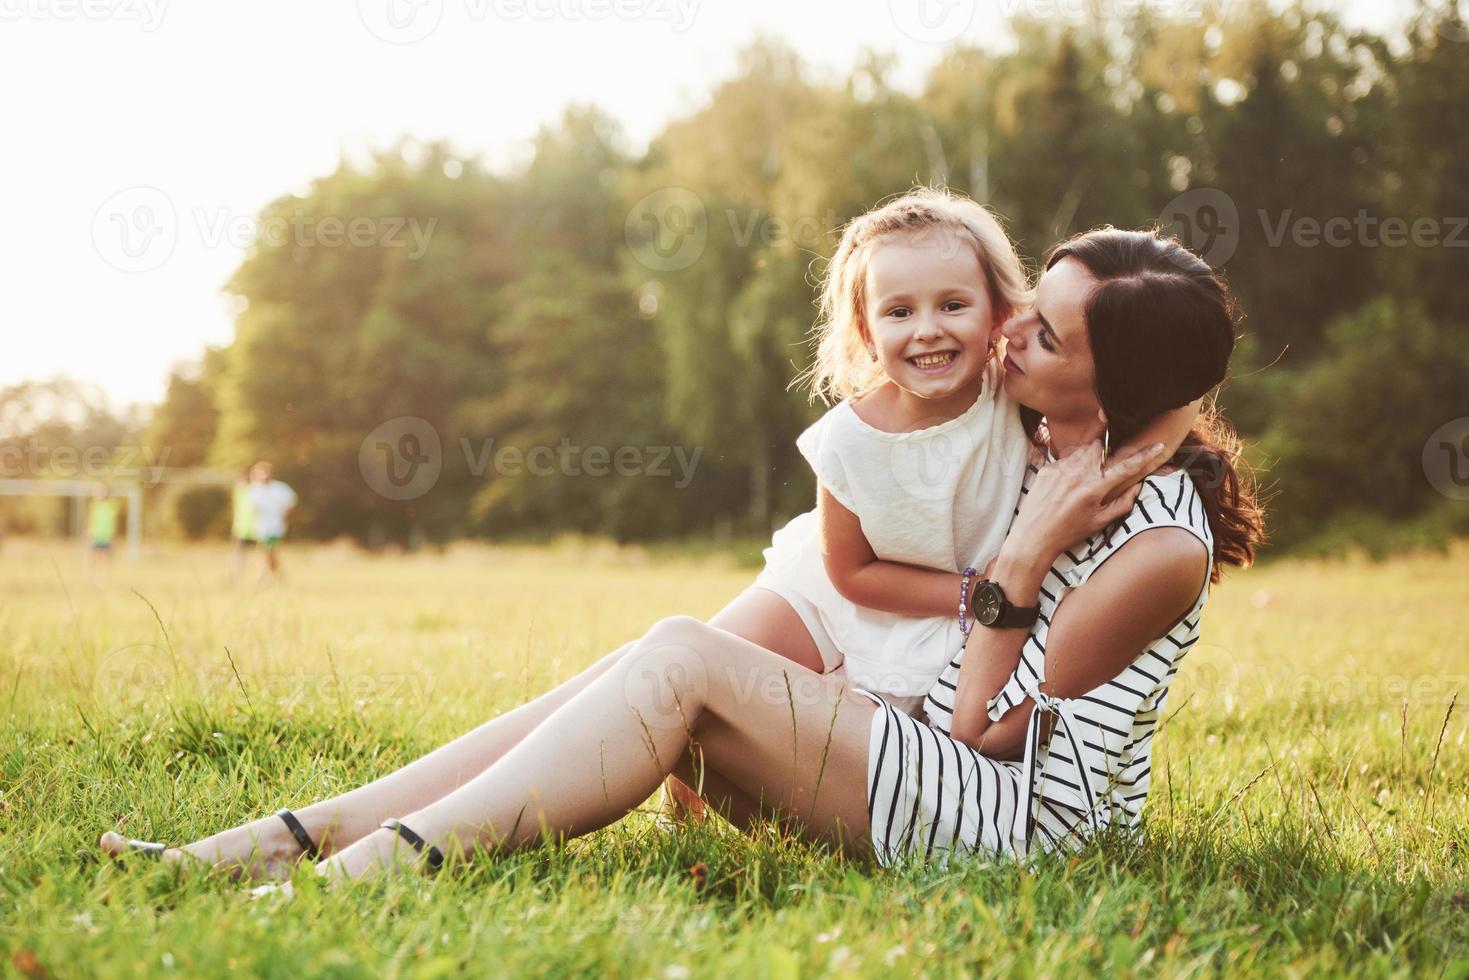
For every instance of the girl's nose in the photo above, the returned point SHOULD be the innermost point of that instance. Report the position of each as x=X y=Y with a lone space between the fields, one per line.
x=926 y=327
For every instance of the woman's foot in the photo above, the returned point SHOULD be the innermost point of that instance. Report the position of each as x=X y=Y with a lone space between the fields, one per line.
x=262 y=849
x=380 y=852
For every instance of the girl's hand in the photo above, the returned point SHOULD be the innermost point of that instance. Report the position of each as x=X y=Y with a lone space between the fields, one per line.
x=1065 y=502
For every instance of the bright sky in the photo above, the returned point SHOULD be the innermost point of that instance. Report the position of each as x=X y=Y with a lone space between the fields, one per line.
x=145 y=135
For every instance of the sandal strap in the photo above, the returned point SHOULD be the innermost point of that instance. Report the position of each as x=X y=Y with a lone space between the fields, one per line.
x=299 y=832
x=435 y=856
x=150 y=848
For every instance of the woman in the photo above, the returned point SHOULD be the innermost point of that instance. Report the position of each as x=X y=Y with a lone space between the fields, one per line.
x=1126 y=325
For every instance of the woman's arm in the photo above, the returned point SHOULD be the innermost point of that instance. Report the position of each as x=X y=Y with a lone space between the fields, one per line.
x=1064 y=505
x=1137 y=596
x=865 y=579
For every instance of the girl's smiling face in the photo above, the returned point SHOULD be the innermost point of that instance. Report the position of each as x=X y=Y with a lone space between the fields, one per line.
x=1048 y=358
x=928 y=315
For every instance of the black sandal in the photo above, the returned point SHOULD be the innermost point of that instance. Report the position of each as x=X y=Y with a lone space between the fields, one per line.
x=154 y=850
x=434 y=855
x=308 y=846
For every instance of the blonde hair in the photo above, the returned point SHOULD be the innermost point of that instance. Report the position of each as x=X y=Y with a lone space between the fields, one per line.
x=842 y=366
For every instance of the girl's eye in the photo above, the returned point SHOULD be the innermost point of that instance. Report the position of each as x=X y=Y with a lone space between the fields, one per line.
x=898 y=311
x=953 y=306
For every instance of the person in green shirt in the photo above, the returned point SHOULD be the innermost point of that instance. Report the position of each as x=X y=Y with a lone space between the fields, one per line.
x=242 y=528
x=102 y=520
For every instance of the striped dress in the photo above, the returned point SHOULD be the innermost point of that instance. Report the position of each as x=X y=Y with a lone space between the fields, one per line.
x=933 y=797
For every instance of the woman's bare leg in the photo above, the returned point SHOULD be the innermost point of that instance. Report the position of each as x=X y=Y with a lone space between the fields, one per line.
x=793 y=740
x=766 y=620
x=265 y=847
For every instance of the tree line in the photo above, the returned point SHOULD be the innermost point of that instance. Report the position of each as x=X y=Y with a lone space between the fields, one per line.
x=600 y=309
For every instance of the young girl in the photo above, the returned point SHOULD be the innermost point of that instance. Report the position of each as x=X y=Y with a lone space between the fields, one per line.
x=920 y=464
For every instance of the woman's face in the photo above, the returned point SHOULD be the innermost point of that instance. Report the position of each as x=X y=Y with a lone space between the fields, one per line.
x=1048 y=359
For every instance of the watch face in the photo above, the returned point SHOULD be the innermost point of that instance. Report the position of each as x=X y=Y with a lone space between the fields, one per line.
x=987 y=601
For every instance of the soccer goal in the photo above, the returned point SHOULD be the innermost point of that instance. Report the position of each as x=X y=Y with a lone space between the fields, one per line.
x=80 y=491
x=124 y=491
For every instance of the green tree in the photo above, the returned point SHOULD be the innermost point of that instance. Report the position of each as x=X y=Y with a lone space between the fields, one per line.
x=1348 y=434
x=337 y=339
x=183 y=425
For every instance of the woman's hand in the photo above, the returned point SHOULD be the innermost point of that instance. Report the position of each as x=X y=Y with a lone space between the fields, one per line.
x=1065 y=502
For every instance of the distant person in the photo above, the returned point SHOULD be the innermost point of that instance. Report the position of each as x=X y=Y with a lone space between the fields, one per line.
x=270 y=502
x=101 y=522
x=242 y=528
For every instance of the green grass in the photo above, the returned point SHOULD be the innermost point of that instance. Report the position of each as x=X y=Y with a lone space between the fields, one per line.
x=1309 y=815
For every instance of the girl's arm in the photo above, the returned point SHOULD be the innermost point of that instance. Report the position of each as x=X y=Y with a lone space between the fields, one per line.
x=912 y=590
x=1170 y=428
x=865 y=579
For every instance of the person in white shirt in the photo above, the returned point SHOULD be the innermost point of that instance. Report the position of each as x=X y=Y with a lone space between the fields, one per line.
x=271 y=500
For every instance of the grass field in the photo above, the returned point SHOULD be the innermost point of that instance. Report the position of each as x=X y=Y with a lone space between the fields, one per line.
x=1309 y=812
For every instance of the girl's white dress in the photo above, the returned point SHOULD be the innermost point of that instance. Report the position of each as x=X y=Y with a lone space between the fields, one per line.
x=941 y=497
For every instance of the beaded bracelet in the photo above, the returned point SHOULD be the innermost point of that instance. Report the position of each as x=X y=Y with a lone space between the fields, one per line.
x=969 y=573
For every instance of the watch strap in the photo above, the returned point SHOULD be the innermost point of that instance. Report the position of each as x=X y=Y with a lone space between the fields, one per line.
x=1017 y=617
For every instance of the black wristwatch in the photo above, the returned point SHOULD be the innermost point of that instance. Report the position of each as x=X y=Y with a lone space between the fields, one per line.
x=991 y=608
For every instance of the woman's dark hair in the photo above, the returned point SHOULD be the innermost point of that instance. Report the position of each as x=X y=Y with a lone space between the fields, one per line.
x=1161 y=327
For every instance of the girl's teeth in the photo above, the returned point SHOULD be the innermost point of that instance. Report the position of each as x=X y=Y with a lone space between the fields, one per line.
x=933 y=360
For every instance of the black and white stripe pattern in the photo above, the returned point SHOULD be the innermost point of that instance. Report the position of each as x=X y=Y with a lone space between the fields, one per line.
x=932 y=796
